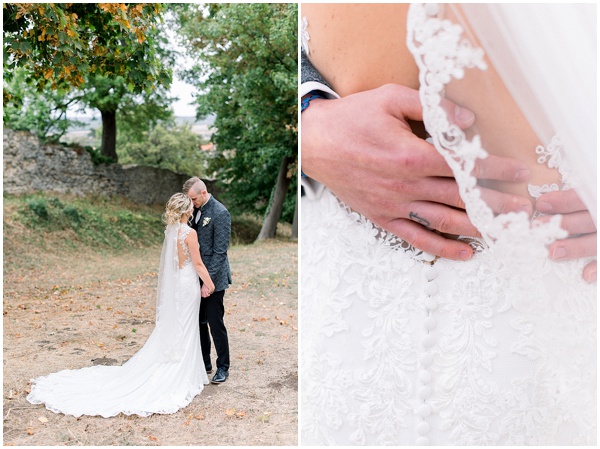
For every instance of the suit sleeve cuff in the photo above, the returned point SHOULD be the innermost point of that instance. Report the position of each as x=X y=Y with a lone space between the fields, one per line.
x=314 y=85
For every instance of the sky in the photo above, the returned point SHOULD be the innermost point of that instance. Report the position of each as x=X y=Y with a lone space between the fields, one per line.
x=184 y=91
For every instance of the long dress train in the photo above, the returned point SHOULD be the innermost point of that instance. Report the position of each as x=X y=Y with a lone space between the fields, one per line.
x=162 y=377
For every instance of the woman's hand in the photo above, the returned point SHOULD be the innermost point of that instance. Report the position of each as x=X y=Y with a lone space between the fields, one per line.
x=205 y=291
x=363 y=149
x=578 y=222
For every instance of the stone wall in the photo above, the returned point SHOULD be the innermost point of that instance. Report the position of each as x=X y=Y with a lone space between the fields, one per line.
x=33 y=166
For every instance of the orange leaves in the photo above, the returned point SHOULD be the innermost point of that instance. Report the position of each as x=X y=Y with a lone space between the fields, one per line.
x=231 y=412
x=152 y=438
x=199 y=417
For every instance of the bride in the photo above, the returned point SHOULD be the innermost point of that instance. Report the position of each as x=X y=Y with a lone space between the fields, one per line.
x=168 y=371
x=402 y=347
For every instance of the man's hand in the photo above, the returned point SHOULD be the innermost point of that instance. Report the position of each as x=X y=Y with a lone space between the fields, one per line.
x=363 y=149
x=578 y=222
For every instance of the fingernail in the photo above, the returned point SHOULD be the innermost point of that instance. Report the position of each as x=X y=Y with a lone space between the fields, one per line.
x=525 y=207
x=591 y=276
x=464 y=115
x=464 y=255
x=559 y=252
x=522 y=175
x=543 y=206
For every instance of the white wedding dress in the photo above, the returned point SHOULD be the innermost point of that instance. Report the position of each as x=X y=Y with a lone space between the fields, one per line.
x=398 y=348
x=162 y=377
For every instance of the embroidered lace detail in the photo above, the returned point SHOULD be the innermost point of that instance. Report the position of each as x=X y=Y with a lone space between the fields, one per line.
x=553 y=156
x=365 y=304
x=377 y=235
x=183 y=257
x=304 y=36
x=443 y=54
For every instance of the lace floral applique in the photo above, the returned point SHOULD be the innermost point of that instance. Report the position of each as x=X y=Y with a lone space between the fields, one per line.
x=183 y=232
x=552 y=156
x=520 y=249
x=304 y=36
x=442 y=54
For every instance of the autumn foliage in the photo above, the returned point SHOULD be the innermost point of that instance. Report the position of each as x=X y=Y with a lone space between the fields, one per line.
x=62 y=42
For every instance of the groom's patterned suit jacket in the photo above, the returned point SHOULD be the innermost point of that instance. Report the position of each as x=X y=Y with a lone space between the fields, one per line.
x=214 y=229
x=308 y=72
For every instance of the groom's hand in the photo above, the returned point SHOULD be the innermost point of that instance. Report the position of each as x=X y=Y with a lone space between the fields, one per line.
x=363 y=149
x=578 y=222
x=204 y=291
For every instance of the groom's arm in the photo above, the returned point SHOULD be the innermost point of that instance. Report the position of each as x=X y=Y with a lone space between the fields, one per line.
x=221 y=235
x=362 y=148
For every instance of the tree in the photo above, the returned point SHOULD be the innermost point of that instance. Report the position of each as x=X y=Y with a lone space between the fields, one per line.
x=168 y=146
x=26 y=108
x=96 y=46
x=247 y=77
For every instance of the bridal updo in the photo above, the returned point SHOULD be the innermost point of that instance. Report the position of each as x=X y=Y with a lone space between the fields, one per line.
x=177 y=206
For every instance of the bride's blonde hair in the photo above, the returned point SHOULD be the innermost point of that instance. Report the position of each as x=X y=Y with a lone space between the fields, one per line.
x=178 y=205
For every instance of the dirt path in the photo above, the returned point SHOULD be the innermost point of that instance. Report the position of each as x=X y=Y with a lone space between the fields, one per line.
x=68 y=311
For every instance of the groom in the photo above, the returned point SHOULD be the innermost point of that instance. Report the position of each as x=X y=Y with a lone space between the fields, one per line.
x=212 y=222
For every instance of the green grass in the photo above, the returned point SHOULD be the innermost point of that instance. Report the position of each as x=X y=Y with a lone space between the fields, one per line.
x=100 y=223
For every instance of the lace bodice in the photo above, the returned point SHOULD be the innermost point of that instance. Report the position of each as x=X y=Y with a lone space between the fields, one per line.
x=183 y=253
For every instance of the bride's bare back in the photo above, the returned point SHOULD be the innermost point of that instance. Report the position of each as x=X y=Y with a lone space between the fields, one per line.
x=358 y=47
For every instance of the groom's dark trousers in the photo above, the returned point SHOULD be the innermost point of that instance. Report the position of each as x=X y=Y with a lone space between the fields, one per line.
x=212 y=311
x=214 y=229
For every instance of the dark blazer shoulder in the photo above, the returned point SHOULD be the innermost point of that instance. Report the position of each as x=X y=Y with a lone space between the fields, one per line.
x=215 y=205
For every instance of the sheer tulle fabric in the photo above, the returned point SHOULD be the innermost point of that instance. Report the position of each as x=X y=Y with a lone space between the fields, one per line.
x=164 y=376
x=555 y=88
x=499 y=350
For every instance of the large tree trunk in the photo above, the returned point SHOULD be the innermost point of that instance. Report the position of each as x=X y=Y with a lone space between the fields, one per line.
x=295 y=220
x=109 y=135
x=269 y=226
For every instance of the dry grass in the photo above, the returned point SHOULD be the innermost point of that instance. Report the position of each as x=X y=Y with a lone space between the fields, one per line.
x=65 y=309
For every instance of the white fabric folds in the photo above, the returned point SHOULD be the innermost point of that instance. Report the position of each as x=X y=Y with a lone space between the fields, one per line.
x=162 y=377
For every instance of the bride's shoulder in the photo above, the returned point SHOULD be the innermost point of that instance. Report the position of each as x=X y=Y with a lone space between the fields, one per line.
x=188 y=230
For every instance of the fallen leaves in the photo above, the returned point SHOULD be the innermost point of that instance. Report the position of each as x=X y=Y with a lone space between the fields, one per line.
x=43 y=419
x=231 y=412
x=198 y=417
x=260 y=352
